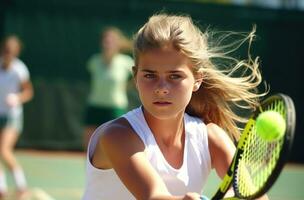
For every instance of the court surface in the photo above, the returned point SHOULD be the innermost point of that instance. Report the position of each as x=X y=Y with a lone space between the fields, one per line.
x=61 y=176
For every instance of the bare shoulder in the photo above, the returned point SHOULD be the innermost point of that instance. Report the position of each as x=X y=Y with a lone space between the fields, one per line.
x=120 y=134
x=216 y=135
x=117 y=128
x=117 y=138
x=221 y=148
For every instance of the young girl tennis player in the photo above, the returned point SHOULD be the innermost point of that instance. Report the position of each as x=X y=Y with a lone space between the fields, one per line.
x=166 y=148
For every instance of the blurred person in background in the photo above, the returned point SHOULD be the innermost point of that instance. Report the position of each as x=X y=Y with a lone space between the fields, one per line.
x=110 y=72
x=15 y=89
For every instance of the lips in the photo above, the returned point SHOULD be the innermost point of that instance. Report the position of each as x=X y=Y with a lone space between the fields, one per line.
x=162 y=103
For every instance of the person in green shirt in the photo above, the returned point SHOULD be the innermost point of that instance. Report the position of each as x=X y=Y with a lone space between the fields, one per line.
x=110 y=71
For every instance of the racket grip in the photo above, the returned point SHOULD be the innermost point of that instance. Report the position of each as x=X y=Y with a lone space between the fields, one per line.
x=204 y=198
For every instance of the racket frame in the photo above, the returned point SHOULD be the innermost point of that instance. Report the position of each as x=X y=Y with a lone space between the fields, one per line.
x=284 y=153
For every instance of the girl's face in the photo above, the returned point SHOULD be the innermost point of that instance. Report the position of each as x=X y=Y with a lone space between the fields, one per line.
x=165 y=82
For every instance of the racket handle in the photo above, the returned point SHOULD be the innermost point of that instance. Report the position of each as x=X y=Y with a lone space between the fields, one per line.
x=204 y=198
x=218 y=196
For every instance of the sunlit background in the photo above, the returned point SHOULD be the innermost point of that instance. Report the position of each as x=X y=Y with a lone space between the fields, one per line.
x=60 y=35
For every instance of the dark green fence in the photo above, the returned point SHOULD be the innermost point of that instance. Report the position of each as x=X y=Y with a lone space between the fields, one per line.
x=60 y=35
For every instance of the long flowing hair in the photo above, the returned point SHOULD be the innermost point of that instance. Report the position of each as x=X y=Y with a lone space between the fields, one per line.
x=228 y=84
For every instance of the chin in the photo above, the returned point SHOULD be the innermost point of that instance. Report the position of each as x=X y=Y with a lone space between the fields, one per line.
x=163 y=114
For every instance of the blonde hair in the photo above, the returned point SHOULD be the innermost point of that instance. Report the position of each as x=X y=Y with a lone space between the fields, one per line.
x=125 y=44
x=226 y=86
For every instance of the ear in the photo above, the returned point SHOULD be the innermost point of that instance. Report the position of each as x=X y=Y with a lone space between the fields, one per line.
x=197 y=84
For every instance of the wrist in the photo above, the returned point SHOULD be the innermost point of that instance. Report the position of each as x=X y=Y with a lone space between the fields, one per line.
x=13 y=99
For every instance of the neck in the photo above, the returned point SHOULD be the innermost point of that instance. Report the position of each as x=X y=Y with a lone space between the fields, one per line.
x=167 y=131
x=5 y=64
x=108 y=56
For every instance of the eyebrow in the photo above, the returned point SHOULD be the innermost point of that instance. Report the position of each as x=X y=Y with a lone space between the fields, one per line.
x=152 y=71
x=148 y=71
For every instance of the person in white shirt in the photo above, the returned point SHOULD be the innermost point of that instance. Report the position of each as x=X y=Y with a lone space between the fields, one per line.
x=165 y=149
x=15 y=89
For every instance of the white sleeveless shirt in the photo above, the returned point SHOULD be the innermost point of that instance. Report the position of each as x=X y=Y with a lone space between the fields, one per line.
x=190 y=177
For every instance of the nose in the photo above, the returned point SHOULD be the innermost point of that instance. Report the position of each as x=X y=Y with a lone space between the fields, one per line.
x=161 y=91
x=162 y=88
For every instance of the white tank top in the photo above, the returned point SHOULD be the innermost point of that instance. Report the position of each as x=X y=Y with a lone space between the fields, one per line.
x=190 y=177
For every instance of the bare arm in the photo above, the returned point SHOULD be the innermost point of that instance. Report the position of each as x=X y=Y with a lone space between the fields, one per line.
x=123 y=151
x=27 y=92
x=222 y=151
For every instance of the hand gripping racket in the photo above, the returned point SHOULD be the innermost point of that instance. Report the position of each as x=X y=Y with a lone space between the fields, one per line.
x=257 y=163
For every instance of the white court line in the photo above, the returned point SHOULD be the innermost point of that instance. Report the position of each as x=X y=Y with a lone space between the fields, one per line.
x=39 y=194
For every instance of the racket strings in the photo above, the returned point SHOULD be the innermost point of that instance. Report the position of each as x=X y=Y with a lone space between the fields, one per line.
x=259 y=158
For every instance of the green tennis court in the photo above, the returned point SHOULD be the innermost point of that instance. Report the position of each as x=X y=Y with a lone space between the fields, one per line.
x=61 y=176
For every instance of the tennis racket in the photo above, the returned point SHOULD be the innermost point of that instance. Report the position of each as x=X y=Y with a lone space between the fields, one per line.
x=257 y=163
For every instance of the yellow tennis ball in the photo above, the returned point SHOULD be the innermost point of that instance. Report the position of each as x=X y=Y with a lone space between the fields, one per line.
x=270 y=125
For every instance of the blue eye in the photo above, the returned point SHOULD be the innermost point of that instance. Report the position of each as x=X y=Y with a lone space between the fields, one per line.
x=149 y=76
x=175 y=76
